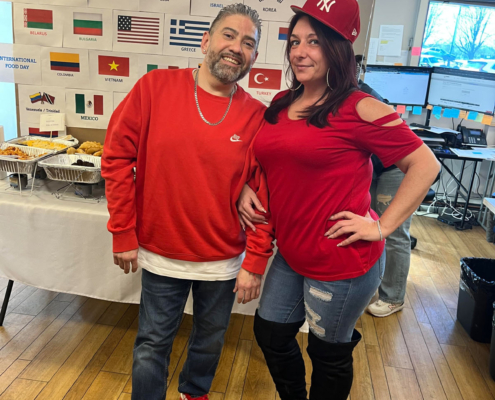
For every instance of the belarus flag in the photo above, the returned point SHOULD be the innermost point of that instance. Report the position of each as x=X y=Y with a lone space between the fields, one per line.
x=88 y=24
x=262 y=78
x=114 y=66
x=38 y=19
x=89 y=105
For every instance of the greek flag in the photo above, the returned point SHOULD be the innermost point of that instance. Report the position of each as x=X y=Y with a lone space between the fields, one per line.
x=187 y=33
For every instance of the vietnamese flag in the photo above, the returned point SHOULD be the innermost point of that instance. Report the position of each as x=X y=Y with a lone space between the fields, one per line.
x=114 y=66
x=262 y=78
x=38 y=19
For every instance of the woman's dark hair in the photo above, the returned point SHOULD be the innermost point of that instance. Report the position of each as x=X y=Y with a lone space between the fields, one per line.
x=342 y=78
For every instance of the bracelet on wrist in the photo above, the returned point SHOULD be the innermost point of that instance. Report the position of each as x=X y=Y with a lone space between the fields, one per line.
x=379 y=229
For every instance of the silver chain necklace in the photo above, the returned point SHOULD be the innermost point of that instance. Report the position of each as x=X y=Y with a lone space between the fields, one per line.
x=197 y=102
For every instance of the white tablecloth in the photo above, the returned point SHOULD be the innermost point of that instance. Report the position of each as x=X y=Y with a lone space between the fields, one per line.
x=64 y=246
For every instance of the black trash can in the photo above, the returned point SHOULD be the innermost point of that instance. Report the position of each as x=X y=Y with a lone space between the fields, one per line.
x=476 y=297
x=492 y=347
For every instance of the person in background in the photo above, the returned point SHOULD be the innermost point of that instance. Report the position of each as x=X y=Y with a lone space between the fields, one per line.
x=384 y=187
x=187 y=133
x=314 y=152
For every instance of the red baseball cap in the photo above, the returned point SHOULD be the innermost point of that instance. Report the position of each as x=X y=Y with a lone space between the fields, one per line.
x=340 y=15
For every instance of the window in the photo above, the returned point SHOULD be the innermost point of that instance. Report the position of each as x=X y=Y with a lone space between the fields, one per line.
x=460 y=36
x=8 y=113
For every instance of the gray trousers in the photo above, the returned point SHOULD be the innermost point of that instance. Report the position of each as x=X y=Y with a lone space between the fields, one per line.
x=398 y=246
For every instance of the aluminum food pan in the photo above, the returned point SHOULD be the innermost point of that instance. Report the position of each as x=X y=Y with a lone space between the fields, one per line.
x=60 y=168
x=68 y=143
x=12 y=165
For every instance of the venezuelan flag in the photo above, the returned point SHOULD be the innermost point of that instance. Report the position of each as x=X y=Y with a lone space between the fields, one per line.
x=35 y=97
x=64 y=62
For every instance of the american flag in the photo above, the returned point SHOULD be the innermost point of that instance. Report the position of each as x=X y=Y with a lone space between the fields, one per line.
x=132 y=29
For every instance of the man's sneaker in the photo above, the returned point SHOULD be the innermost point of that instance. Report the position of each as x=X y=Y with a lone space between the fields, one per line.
x=381 y=308
x=184 y=396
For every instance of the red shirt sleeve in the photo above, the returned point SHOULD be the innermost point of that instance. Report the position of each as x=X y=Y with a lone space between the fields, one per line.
x=259 y=244
x=389 y=143
x=118 y=160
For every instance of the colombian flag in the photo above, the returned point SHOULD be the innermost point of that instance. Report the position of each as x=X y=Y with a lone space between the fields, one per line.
x=38 y=19
x=64 y=62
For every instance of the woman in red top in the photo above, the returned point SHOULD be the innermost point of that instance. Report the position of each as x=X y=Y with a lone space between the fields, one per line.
x=315 y=155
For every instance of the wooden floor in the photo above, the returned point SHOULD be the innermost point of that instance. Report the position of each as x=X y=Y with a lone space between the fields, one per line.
x=58 y=346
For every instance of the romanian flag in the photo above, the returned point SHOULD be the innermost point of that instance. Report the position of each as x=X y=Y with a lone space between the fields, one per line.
x=114 y=66
x=90 y=105
x=64 y=62
x=36 y=97
x=88 y=24
x=282 y=33
x=36 y=132
x=38 y=19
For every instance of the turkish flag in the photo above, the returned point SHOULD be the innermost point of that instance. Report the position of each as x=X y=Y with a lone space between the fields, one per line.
x=262 y=78
x=114 y=66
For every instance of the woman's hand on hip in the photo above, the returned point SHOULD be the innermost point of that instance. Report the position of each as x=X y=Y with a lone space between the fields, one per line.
x=246 y=205
x=359 y=228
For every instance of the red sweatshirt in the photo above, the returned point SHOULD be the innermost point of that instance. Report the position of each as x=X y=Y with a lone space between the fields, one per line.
x=188 y=174
x=312 y=174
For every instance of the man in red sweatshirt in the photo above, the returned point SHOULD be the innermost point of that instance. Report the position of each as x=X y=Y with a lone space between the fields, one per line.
x=186 y=133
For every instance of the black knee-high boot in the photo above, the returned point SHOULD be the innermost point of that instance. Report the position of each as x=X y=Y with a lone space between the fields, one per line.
x=332 y=367
x=283 y=356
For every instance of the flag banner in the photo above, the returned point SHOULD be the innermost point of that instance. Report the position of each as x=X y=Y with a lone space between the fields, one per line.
x=195 y=62
x=35 y=100
x=33 y=129
x=132 y=5
x=117 y=99
x=274 y=10
x=114 y=71
x=65 y=67
x=88 y=108
x=204 y=8
x=264 y=81
x=149 y=63
x=166 y=7
x=73 y=3
x=20 y=63
x=277 y=39
x=137 y=32
x=183 y=35
x=38 y=24
x=88 y=28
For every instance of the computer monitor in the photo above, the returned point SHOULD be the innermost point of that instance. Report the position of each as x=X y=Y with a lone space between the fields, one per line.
x=399 y=85
x=465 y=90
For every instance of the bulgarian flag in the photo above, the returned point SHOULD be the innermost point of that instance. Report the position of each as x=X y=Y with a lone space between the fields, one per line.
x=89 y=105
x=38 y=19
x=88 y=24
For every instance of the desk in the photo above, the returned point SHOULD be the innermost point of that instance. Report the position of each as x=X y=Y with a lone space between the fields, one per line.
x=441 y=156
x=64 y=246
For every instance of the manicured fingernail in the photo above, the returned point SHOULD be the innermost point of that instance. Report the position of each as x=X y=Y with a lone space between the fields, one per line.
x=331 y=236
x=331 y=217
x=339 y=245
x=244 y=228
x=266 y=223
x=262 y=209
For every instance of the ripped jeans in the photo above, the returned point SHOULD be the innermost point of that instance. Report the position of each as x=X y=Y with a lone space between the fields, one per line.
x=331 y=308
x=398 y=246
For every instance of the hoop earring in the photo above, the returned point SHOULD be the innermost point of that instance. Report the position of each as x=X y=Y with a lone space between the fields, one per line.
x=328 y=84
x=296 y=89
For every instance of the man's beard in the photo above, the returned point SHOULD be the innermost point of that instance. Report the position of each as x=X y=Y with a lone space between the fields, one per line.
x=225 y=73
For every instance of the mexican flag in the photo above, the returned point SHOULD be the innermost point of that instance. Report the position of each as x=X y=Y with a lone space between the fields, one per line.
x=89 y=105
x=88 y=24
x=151 y=67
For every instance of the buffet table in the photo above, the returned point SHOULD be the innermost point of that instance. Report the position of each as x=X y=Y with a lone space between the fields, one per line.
x=64 y=246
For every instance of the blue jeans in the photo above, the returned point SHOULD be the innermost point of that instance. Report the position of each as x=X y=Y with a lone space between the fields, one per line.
x=398 y=246
x=162 y=303
x=331 y=308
